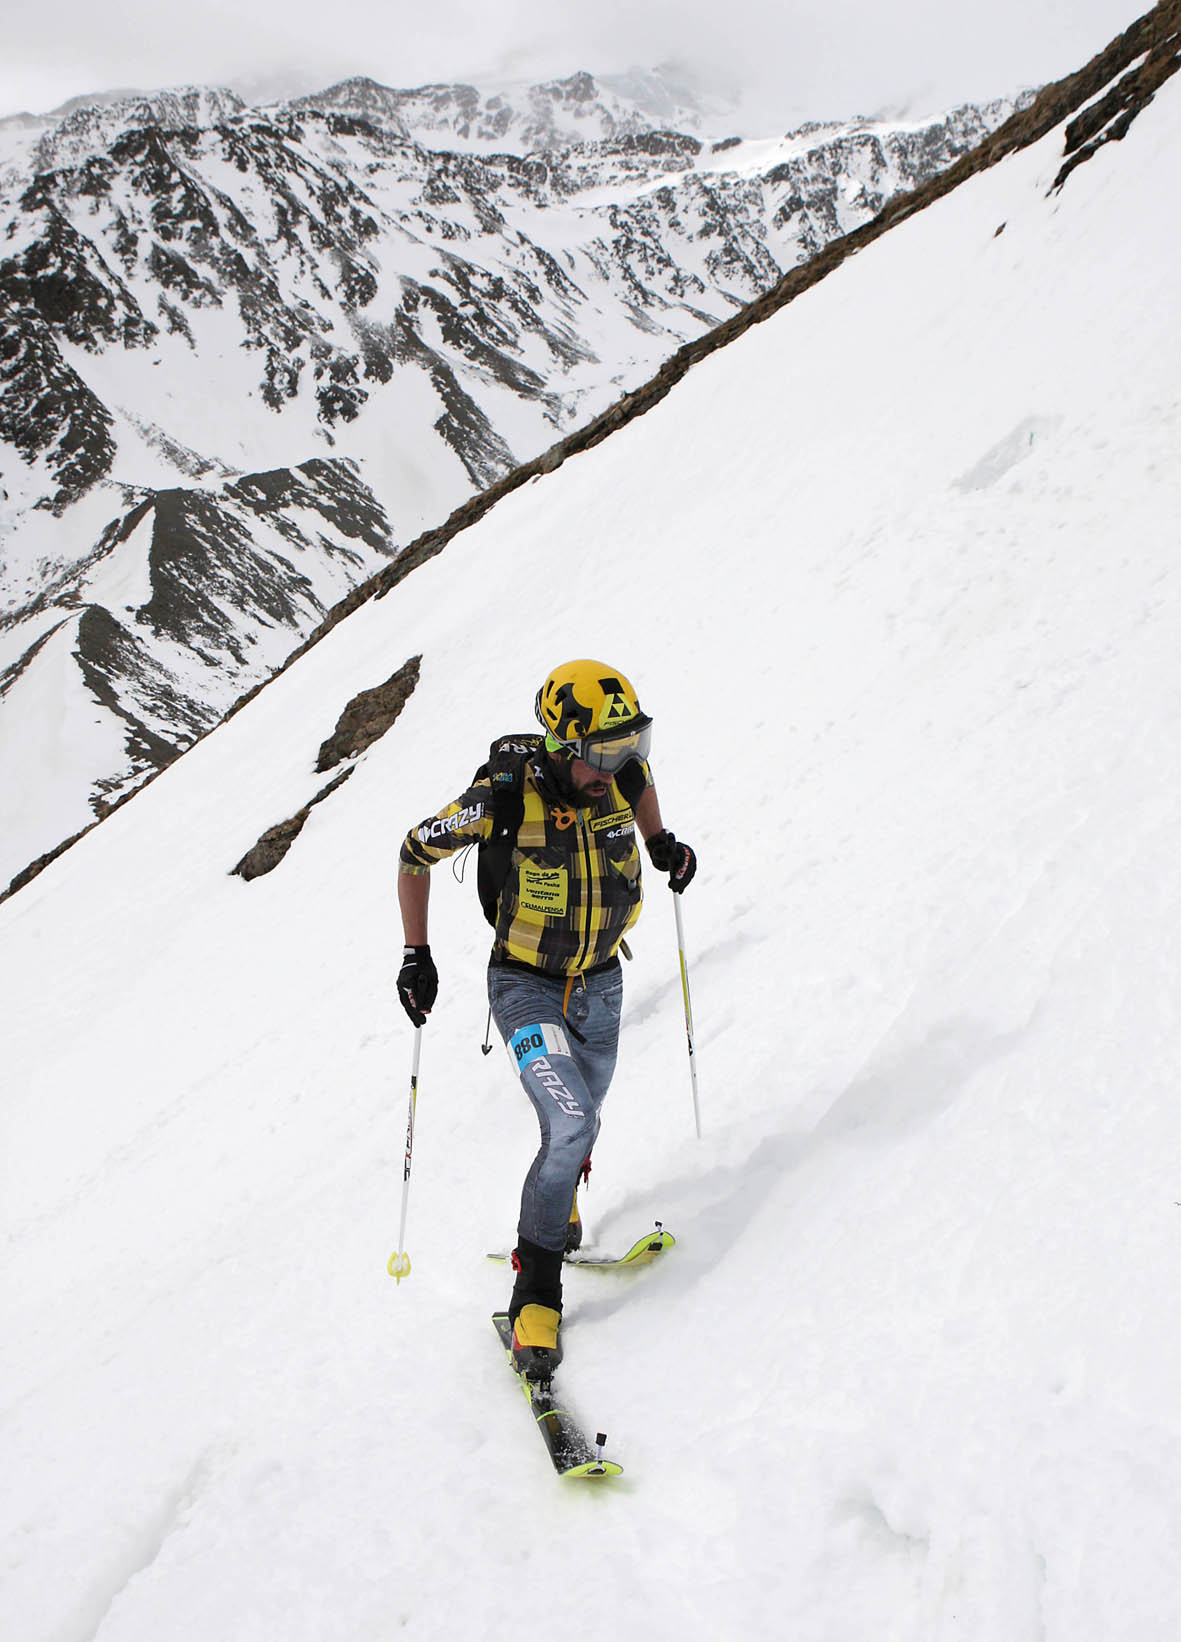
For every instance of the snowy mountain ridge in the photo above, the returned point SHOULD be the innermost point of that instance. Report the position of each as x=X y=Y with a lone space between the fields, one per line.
x=514 y=117
x=520 y=119
x=200 y=296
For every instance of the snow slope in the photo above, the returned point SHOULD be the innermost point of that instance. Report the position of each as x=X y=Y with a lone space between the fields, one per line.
x=896 y=575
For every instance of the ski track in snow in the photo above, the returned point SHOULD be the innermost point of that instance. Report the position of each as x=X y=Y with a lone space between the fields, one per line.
x=154 y=1533
x=904 y=557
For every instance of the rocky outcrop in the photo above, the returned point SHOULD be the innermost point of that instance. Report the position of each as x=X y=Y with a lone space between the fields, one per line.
x=368 y=716
x=365 y=720
x=271 y=848
x=1110 y=116
x=49 y=417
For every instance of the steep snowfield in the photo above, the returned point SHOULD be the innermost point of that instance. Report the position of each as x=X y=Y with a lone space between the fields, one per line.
x=896 y=575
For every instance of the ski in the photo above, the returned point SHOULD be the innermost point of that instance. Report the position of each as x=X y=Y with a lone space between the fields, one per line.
x=642 y=1253
x=573 y=1455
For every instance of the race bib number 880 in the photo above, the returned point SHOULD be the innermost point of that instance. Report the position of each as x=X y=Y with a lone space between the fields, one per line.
x=532 y=1042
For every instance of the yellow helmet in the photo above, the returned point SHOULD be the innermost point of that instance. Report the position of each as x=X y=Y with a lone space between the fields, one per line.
x=591 y=711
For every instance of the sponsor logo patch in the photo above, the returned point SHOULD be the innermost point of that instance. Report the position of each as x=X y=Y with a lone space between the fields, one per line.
x=623 y=819
x=543 y=891
x=444 y=824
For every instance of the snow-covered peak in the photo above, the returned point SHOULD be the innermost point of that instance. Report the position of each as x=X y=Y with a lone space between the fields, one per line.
x=520 y=116
x=360 y=96
x=90 y=129
x=88 y=126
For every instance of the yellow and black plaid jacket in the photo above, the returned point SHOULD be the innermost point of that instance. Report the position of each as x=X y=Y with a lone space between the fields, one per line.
x=573 y=886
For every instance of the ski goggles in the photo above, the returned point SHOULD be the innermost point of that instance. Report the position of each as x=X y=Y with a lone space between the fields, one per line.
x=609 y=751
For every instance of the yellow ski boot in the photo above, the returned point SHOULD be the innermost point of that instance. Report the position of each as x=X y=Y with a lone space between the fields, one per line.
x=537 y=1351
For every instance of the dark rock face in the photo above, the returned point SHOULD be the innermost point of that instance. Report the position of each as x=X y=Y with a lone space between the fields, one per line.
x=60 y=276
x=48 y=415
x=230 y=581
x=271 y=848
x=1109 y=117
x=368 y=716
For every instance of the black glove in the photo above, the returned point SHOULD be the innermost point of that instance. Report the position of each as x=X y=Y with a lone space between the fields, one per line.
x=418 y=983
x=669 y=855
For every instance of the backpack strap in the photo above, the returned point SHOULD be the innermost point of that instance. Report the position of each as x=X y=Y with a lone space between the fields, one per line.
x=631 y=783
x=505 y=771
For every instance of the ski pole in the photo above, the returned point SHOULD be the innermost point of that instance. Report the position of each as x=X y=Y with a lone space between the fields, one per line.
x=688 y=1012
x=399 y=1262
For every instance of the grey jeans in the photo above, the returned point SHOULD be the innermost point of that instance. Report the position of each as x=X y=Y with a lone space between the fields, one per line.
x=565 y=1078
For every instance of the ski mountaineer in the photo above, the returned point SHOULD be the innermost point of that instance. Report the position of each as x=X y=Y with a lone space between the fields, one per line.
x=570 y=892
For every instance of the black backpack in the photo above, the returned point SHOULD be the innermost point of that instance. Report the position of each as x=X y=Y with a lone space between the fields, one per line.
x=505 y=768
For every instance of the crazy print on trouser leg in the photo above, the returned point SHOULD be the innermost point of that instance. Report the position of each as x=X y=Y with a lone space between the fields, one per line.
x=565 y=1074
